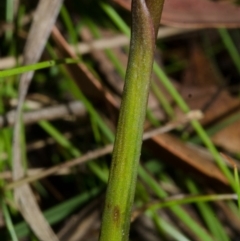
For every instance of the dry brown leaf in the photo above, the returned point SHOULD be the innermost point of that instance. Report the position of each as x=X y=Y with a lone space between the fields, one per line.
x=200 y=97
x=197 y=13
x=202 y=87
x=32 y=214
x=182 y=157
x=200 y=70
x=229 y=138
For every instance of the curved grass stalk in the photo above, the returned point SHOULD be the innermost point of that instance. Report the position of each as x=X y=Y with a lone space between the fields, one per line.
x=122 y=181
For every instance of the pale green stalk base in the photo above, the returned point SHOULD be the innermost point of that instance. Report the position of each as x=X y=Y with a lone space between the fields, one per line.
x=127 y=147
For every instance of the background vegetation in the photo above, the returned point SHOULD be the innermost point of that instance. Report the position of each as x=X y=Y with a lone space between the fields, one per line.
x=185 y=190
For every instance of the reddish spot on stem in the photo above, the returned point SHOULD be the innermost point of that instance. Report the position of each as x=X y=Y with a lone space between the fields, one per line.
x=116 y=215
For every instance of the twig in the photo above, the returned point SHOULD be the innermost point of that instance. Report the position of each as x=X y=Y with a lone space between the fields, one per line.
x=111 y=42
x=101 y=152
x=49 y=113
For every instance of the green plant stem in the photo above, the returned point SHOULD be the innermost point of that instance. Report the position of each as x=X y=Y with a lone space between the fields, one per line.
x=111 y=12
x=163 y=78
x=127 y=147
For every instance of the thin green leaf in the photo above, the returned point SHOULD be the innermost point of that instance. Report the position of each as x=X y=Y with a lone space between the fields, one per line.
x=33 y=67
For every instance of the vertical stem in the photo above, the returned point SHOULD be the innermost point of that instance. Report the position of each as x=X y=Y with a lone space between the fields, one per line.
x=127 y=147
